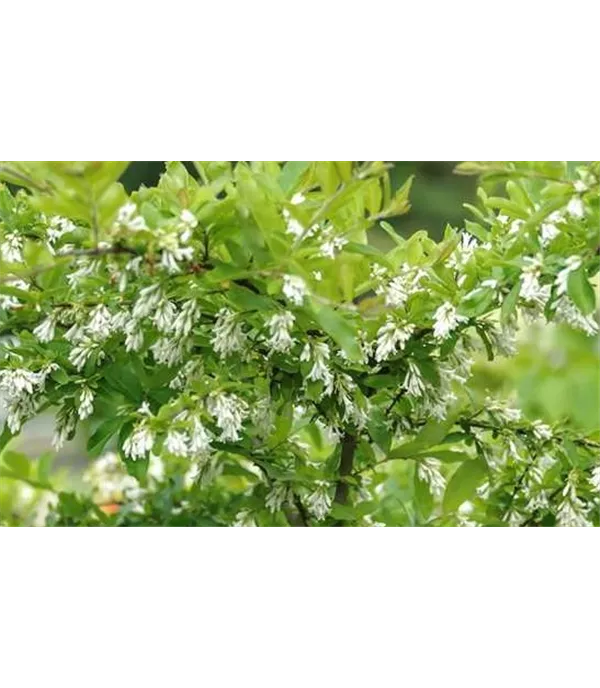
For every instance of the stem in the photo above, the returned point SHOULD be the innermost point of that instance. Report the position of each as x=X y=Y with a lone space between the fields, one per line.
x=349 y=443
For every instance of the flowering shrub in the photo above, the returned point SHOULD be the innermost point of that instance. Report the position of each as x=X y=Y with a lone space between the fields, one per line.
x=254 y=360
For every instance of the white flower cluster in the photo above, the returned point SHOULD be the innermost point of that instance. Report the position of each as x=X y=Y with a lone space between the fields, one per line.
x=229 y=412
x=294 y=289
x=572 y=511
x=319 y=500
x=11 y=248
x=22 y=390
x=403 y=286
x=428 y=470
x=228 y=336
x=463 y=253
x=110 y=483
x=10 y=301
x=392 y=336
x=280 y=326
x=446 y=320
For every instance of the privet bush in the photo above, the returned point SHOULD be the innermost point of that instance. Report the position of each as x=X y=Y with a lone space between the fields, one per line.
x=253 y=359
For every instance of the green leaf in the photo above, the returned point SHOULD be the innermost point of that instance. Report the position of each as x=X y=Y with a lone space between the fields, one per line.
x=18 y=463
x=5 y=437
x=343 y=512
x=291 y=173
x=572 y=454
x=391 y=232
x=339 y=329
x=283 y=425
x=463 y=483
x=18 y=293
x=478 y=302
x=378 y=429
x=509 y=304
x=102 y=435
x=433 y=433
x=11 y=475
x=444 y=455
x=44 y=466
x=423 y=496
x=245 y=299
x=581 y=292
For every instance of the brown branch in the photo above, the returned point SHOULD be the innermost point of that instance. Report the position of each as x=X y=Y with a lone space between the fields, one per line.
x=349 y=443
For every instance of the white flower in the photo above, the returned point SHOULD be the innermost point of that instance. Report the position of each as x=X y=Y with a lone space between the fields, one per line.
x=86 y=403
x=177 y=443
x=293 y=227
x=428 y=471
x=168 y=351
x=185 y=320
x=8 y=302
x=147 y=301
x=80 y=353
x=280 y=326
x=399 y=290
x=572 y=512
x=530 y=289
x=45 y=330
x=188 y=219
x=199 y=439
x=134 y=337
x=595 y=479
x=229 y=412
x=515 y=226
x=228 y=335
x=11 y=248
x=567 y=312
x=18 y=410
x=514 y=518
x=100 y=325
x=390 y=337
x=294 y=288
x=244 y=519
x=446 y=320
x=19 y=381
x=505 y=413
x=75 y=333
x=277 y=496
x=57 y=228
x=65 y=426
x=463 y=252
x=140 y=442
x=171 y=256
x=298 y=198
x=320 y=370
x=128 y=218
x=319 y=501
x=318 y=275
x=164 y=315
x=575 y=208
x=120 y=320
x=573 y=263
x=413 y=382
x=331 y=246
x=549 y=232
x=541 y=431
x=503 y=219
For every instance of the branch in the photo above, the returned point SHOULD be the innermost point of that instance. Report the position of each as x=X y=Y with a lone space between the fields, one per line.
x=349 y=443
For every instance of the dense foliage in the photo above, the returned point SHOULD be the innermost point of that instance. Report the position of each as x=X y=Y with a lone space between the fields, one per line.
x=253 y=359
